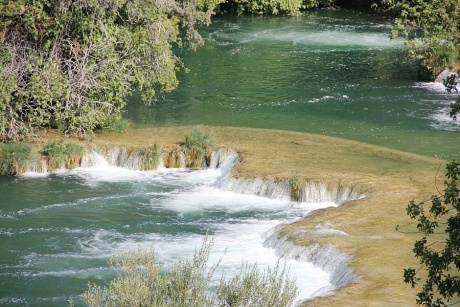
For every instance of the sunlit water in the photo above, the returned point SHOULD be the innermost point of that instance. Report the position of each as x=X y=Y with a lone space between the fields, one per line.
x=332 y=73
x=58 y=231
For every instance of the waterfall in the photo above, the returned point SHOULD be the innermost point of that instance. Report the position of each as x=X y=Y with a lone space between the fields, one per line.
x=37 y=166
x=326 y=257
x=264 y=188
x=311 y=192
x=320 y=192
x=223 y=160
x=94 y=159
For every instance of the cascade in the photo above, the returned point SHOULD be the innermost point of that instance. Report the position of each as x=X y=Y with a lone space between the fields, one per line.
x=37 y=166
x=325 y=257
x=94 y=159
x=311 y=192
x=182 y=160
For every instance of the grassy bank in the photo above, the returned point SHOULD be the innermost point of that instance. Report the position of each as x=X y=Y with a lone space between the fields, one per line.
x=391 y=179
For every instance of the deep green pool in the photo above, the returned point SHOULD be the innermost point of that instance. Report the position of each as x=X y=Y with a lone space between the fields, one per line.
x=328 y=72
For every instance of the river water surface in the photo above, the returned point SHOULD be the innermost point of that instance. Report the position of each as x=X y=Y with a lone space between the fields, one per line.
x=328 y=72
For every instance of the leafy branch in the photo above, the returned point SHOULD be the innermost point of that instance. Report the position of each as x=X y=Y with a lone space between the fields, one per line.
x=441 y=266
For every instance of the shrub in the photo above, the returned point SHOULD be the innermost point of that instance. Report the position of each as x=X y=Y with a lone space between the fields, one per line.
x=73 y=155
x=252 y=287
x=141 y=281
x=198 y=145
x=173 y=158
x=14 y=157
x=296 y=185
x=149 y=157
x=59 y=154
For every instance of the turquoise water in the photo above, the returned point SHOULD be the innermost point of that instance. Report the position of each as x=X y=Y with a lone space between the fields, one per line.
x=332 y=73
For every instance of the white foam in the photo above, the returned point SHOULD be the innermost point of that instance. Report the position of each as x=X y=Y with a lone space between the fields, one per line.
x=432 y=86
x=32 y=174
x=440 y=120
x=239 y=223
x=328 y=230
x=339 y=38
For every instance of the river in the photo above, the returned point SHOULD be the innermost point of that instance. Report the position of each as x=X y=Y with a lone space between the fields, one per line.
x=329 y=72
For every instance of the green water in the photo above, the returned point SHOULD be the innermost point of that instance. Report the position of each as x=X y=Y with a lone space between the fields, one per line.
x=332 y=73
x=327 y=72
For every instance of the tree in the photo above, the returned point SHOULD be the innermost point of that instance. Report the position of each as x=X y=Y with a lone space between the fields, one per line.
x=273 y=7
x=72 y=64
x=431 y=29
x=142 y=281
x=440 y=259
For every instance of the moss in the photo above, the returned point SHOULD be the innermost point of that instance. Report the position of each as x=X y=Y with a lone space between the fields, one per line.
x=61 y=154
x=150 y=157
x=296 y=186
x=172 y=158
x=14 y=158
x=73 y=155
x=198 y=146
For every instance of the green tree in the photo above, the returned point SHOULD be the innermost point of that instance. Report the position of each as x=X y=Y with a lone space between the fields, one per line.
x=431 y=29
x=71 y=64
x=142 y=281
x=273 y=7
x=439 y=258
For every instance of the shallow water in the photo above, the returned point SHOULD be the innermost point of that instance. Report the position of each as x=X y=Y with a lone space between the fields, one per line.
x=58 y=231
x=332 y=73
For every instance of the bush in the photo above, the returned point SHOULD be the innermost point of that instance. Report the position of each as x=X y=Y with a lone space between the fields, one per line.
x=296 y=185
x=140 y=282
x=173 y=158
x=14 y=158
x=252 y=287
x=149 y=157
x=60 y=154
x=198 y=145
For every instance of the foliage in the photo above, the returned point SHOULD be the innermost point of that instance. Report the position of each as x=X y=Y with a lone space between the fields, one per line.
x=61 y=154
x=454 y=108
x=450 y=83
x=254 y=288
x=73 y=63
x=173 y=158
x=14 y=157
x=440 y=259
x=198 y=145
x=150 y=157
x=275 y=7
x=431 y=29
x=296 y=186
x=142 y=281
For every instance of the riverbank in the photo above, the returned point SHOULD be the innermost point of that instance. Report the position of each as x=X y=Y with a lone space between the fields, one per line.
x=379 y=233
